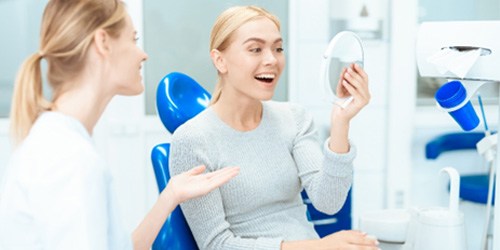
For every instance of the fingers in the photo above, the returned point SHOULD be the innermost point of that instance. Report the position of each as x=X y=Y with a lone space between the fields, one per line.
x=361 y=238
x=356 y=83
x=360 y=71
x=341 y=91
x=197 y=170
x=220 y=171
x=366 y=240
x=193 y=183
x=222 y=176
x=350 y=239
x=350 y=88
x=231 y=172
x=225 y=172
x=201 y=168
x=356 y=80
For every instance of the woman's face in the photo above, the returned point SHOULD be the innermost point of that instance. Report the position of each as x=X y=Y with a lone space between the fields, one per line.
x=254 y=60
x=126 y=62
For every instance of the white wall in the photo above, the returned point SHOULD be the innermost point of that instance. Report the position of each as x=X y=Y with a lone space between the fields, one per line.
x=309 y=35
x=19 y=21
x=401 y=98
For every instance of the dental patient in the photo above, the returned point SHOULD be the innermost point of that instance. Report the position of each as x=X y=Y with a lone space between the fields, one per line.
x=274 y=143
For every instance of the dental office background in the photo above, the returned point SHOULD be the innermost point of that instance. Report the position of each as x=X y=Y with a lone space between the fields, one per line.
x=390 y=171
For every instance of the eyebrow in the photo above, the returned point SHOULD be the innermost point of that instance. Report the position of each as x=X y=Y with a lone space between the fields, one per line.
x=259 y=40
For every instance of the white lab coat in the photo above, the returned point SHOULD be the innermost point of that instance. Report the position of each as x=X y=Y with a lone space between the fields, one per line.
x=57 y=192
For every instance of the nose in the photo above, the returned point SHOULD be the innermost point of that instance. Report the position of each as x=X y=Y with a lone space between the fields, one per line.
x=144 y=56
x=270 y=58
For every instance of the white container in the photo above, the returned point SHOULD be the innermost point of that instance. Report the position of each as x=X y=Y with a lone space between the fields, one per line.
x=387 y=225
x=435 y=228
x=438 y=228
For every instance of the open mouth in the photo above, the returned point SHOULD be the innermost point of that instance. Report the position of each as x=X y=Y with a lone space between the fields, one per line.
x=267 y=78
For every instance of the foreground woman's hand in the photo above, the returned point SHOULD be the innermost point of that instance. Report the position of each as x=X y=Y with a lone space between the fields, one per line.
x=352 y=240
x=194 y=183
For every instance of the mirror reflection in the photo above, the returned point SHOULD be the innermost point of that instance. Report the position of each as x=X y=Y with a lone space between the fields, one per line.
x=343 y=50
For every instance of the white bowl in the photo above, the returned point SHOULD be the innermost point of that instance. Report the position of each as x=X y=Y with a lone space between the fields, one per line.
x=387 y=225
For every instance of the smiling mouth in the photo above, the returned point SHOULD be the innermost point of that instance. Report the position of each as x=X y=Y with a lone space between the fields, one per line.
x=267 y=78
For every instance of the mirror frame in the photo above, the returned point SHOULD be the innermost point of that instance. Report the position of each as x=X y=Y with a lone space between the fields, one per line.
x=325 y=67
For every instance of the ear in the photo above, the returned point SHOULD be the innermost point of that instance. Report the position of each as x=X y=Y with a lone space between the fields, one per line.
x=218 y=61
x=102 y=42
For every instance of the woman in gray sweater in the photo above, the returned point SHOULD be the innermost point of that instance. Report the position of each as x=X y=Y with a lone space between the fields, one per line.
x=274 y=144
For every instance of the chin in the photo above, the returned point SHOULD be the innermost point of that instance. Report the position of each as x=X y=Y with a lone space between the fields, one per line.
x=132 y=92
x=267 y=97
x=139 y=91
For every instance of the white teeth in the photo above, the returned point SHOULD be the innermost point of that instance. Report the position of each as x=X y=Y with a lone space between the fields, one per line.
x=265 y=76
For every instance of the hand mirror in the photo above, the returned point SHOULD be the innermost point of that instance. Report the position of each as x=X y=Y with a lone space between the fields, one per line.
x=344 y=49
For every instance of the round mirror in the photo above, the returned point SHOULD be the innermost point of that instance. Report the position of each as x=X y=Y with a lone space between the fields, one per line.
x=343 y=50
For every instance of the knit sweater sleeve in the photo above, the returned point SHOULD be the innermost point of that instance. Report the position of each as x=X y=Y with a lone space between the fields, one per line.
x=206 y=215
x=326 y=176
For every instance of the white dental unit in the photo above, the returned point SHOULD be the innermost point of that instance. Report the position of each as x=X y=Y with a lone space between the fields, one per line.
x=468 y=51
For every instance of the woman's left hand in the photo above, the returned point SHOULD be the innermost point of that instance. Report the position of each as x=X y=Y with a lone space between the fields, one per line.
x=353 y=82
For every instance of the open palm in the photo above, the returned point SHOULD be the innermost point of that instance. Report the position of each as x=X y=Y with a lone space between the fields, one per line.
x=194 y=183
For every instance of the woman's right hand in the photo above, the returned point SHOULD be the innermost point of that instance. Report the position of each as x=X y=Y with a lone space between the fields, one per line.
x=349 y=239
x=194 y=183
x=353 y=82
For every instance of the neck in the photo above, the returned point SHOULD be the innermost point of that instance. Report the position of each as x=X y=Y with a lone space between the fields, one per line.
x=239 y=113
x=84 y=101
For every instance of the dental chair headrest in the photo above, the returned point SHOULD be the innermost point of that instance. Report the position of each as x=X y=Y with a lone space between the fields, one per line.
x=178 y=99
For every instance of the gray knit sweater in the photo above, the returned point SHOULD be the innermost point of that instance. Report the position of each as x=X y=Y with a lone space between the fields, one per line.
x=262 y=206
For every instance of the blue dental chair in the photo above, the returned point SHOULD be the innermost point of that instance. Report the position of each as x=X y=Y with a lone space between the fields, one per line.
x=472 y=187
x=326 y=224
x=178 y=99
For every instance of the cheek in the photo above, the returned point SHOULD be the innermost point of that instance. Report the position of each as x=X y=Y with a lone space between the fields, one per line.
x=236 y=67
x=282 y=62
x=242 y=59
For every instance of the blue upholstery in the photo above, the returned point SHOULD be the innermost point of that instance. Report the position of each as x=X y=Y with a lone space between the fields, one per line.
x=175 y=233
x=325 y=224
x=472 y=187
x=475 y=188
x=178 y=99
x=450 y=142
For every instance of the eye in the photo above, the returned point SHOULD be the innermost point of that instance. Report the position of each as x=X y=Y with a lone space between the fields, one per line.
x=255 y=50
x=136 y=39
x=279 y=50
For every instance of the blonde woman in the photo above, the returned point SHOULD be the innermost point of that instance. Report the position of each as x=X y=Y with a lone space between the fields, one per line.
x=273 y=143
x=56 y=193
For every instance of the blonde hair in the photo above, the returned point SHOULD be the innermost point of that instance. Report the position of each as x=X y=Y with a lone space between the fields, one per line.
x=66 y=34
x=225 y=26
